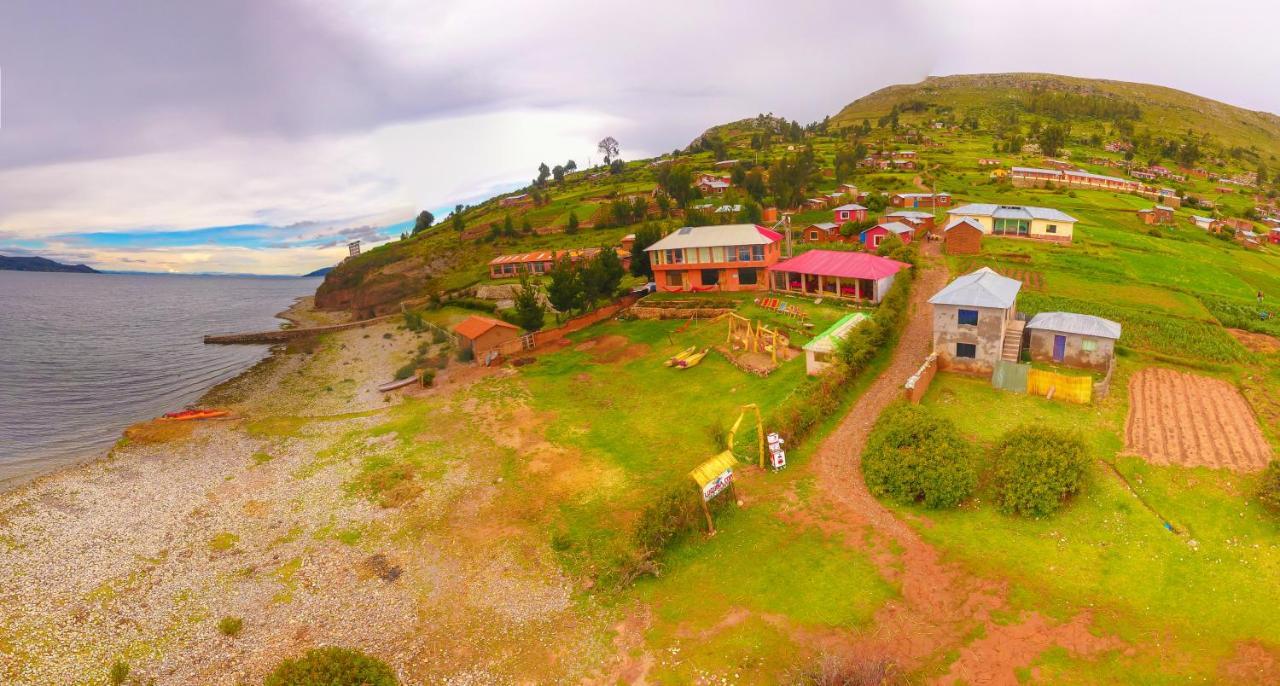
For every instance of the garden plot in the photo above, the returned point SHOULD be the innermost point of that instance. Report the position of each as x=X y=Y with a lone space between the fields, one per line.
x=1193 y=421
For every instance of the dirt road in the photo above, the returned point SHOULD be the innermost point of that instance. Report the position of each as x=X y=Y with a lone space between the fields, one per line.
x=941 y=603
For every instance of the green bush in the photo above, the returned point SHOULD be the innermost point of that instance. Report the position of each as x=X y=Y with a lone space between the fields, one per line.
x=475 y=304
x=466 y=354
x=406 y=371
x=119 y=672
x=913 y=456
x=332 y=667
x=1035 y=468
x=428 y=377
x=230 y=626
x=1269 y=487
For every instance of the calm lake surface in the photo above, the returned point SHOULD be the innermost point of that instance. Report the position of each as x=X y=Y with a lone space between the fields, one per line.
x=82 y=356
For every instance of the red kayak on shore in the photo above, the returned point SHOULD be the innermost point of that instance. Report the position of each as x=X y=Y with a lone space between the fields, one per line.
x=196 y=414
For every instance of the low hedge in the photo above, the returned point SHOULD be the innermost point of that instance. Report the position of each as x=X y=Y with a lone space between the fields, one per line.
x=332 y=666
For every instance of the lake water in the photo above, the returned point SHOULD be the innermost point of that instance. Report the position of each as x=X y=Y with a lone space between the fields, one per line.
x=82 y=356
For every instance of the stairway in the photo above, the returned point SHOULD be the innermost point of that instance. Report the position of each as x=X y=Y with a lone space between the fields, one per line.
x=1012 y=341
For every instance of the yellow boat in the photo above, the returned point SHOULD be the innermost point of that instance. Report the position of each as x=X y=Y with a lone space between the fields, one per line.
x=692 y=359
x=681 y=356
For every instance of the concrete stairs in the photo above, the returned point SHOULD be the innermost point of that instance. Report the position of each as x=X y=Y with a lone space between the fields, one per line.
x=1012 y=341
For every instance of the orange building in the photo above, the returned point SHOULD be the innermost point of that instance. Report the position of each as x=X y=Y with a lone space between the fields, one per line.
x=732 y=257
x=482 y=334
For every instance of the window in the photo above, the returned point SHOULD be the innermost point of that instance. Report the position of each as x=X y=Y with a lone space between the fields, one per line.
x=730 y=254
x=675 y=279
x=875 y=240
x=744 y=253
x=967 y=317
x=1052 y=228
x=710 y=277
x=813 y=235
x=1088 y=345
x=844 y=214
x=748 y=276
x=675 y=257
x=966 y=350
x=757 y=253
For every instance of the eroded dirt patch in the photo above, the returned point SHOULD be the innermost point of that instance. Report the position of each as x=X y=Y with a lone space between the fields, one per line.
x=612 y=349
x=1257 y=342
x=1193 y=421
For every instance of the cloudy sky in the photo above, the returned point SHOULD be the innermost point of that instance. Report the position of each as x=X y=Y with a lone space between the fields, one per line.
x=260 y=135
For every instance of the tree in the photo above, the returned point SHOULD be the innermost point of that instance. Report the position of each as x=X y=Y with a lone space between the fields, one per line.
x=508 y=226
x=608 y=146
x=526 y=226
x=572 y=227
x=1036 y=468
x=1262 y=173
x=423 y=222
x=639 y=208
x=645 y=237
x=565 y=288
x=621 y=211
x=570 y=166
x=617 y=167
x=459 y=224
x=754 y=184
x=530 y=313
x=601 y=276
x=750 y=213
x=557 y=172
x=543 y=172
x=677 y=181
x=664 y=204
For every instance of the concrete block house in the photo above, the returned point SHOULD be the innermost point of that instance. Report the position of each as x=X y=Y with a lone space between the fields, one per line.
x=731 y=257
x=874 y=236
x=481 y=334
x=823 y=232
x=920 y=200
x=975 y=322
x=1073 y=340
x=1043 y=223
x=1160 y=214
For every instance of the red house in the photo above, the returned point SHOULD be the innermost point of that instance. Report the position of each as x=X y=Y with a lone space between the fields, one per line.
x=849 y=213
x=1274 y=236
x=823 y=232
x=731 y=257
x=874 y=236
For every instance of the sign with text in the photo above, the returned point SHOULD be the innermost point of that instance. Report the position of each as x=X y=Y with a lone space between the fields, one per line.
x=718 y=484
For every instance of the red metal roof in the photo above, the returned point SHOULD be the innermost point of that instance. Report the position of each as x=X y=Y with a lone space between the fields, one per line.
x=846 y=265
x=475 y=326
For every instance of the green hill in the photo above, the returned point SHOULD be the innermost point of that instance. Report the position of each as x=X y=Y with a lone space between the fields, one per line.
x=952 y=122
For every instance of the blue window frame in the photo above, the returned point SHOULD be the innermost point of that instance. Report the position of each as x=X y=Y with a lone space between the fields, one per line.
x=968 y=317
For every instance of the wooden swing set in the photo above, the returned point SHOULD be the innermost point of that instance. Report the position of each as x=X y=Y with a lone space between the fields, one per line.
x=715 y=476
x=755 y=337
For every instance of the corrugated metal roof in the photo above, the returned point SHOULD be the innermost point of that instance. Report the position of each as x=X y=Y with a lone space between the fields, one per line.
x=826 y=341
x=475 y=326
x=896 y=227
x=712 y=236
x=911 y=214
x=1070 y=322
x=963 y=221
x=846 y=265
x=707 y=472
x=983 y=288
x=1012 y=212
x=852 y=207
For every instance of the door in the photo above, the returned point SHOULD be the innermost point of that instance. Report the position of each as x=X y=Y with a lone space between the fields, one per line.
x=1059 y=348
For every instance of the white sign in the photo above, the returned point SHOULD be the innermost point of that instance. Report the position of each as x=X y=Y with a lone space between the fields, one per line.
x=718 y=484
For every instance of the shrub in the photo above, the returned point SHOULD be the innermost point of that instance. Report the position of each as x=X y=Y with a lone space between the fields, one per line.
x=475 y=304
x=428 y=377
x=1036 y=468
x=466 y=354
x=406 y=371
x=830 y=670
x=438 y=336
x=413 y=321
x=119 y=672
x=1269 y=487
x=332 y=667
x=230 y=626
x=913 y=456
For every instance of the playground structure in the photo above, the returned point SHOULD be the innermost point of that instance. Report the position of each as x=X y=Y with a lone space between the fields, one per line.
x=715 y=476
x=754 y=337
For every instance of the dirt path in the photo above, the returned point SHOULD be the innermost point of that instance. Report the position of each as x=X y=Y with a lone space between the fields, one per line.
x=942 y=604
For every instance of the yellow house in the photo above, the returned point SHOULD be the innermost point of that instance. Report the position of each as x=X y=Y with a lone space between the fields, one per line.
x=1044 y=223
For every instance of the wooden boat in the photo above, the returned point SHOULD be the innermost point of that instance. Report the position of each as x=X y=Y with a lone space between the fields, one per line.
x=393 y=385
x=680 y=356
x=692 y=360
x=187 y=415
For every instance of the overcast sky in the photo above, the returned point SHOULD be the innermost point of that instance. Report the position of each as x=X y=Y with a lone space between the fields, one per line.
x=259 y=135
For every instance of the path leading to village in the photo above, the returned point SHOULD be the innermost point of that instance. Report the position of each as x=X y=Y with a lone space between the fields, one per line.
x=942 y=603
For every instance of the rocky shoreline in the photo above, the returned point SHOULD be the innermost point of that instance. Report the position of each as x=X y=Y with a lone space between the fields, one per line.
x=273 y=517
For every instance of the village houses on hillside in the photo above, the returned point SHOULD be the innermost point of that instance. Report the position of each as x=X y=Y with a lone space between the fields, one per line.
x=1022 y=221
